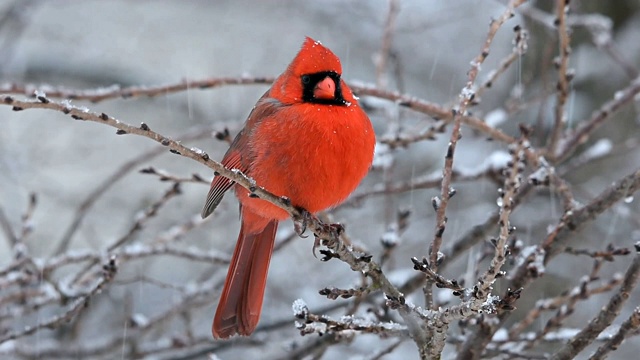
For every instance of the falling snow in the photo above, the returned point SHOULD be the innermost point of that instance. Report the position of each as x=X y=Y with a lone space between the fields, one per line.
x=496 y=117
x=501 y=335
x=601 y=148
x=382 y=157
x=139 y=320
x=496 y=161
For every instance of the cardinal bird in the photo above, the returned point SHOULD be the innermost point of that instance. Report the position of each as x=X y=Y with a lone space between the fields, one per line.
x=307 y=139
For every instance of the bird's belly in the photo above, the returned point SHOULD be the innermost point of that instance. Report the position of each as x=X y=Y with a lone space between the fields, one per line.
x=315 y=175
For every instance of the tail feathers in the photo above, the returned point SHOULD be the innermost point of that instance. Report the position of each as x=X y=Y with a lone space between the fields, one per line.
x=241 y=300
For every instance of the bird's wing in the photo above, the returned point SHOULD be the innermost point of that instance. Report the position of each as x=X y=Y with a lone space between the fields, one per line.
x=239 y=156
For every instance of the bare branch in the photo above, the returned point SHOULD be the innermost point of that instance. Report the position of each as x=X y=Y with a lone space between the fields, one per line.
x=329 y=235
x=115 y=92
x=163 y=175
x=110 y=270
x=385 y=47
x=564 y=77
x=520 y=47
x=521 y=276
x=606 y=316
x=632 y=324
x=466 y=97
x=604 y=113
x=404 y=100
x=322 y=324
x=8 y=230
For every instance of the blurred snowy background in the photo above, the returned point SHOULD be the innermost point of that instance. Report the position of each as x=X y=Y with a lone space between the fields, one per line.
x=92 y=44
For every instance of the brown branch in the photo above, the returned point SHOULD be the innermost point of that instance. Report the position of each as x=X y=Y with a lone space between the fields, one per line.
x=632 y=324
x=82 y=209
x=561 y=187
x=511 y=186
x=12 y=239
x=27 y=226
x=466 y=97
x=606 y=315
x=145 y=131
x=163 y=175
x=564 y=304
x=327 y=234
x=404 y=100
x=385 y=46
x=604 y=113
x=404 y=140
x=608 y=254
x=312 y=323
x=570 y=222
x=78 y=305
x=438 y=280
x=481 y=298
x=521 y=276
x=431 y=109
x=333 y=293
x=562 y=8
x=137 y=226
x=115 y=92
x=599 y=26
x=136 y=251
x=475 y=235
x=418 y=183
x=385 y=351
x=521 y=45
x=16 y=242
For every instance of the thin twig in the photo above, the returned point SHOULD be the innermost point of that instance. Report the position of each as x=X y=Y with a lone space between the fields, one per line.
x=564 y=304
x=110 y=270
x=12 y=239
x=632 y=324
x=329 y=235
x=562 y=8
x=606 y=315
x=321 y=324
x=137 y=226
x=385 y=46
x=604 y=113
x=522 y=276
x=434 y=110
x=97 y=95
x=466 y=97
x=115 y=91
x=163 y=175
x=520 y=47
x=84 y=207
x=481 y=297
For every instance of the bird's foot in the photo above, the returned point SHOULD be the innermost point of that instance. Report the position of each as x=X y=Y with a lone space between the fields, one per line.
x=301 y=223
x=331 y=231
x=335 y=229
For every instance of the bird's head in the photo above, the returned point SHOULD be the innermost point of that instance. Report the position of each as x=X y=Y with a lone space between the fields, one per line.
x=314 y=76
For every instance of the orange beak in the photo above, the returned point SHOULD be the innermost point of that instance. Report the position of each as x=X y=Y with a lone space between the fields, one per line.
x=325 y=89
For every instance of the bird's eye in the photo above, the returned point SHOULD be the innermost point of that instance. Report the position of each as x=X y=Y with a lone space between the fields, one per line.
x=306 y=79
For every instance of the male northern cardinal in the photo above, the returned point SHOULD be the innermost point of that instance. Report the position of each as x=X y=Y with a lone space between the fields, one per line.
x=307 y=139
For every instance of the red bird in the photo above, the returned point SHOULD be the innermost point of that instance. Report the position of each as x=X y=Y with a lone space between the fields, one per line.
x=307 y=139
